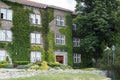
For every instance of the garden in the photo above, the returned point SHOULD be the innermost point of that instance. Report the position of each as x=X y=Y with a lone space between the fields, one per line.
x=44 y=71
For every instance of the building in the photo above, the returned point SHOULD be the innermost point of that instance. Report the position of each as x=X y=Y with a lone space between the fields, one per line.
x=31 y=32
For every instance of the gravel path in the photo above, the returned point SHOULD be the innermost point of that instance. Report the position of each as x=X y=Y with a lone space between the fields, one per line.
x=16 y=73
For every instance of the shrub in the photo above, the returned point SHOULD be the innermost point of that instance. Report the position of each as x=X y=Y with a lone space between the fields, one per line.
x=44 y=66
x=21 y=62
x=55 y=64
x=38 y=63
x=36 y=67
x=7 y=59
x=62 y=66
x=3 y=64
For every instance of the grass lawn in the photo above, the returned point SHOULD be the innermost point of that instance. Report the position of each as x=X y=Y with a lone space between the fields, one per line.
x=64 y=77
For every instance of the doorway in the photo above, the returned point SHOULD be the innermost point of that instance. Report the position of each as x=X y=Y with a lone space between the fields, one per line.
x=60 y=59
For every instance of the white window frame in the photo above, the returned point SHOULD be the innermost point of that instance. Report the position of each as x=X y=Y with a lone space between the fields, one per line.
x=6 y=35
x=74 y=27
x=60 y=39
x=35 y=56
x=35 y=19
x=77 y=58
x=60 y=21
x=35 y=39
x=3 y=55
x=76 y=42
x=7 y=14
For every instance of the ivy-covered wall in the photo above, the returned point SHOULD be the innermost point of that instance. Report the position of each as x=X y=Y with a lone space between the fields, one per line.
x=67 y=31
x=19 y=49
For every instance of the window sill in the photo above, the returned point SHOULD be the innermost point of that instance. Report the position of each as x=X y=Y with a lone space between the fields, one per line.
x=6 y=41
x=6 y=20
x=35 y=44
x=35 y=24
x=60 y=44
x=60 y=26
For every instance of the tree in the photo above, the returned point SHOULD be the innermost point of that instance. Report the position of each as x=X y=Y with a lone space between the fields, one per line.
x=96 y=24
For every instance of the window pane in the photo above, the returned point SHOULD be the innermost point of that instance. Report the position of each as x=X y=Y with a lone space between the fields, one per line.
x=33 y=59
x=3 y=11
x=60 y=39
x=38 y=56
x=58 y=20
x=9 y=36
x=35 y=56
x=38 y=18
x=32 y=18
x=32 y=37
x=2 y=35
x=9 y=14
x=74 y=27
x=38 y=38
x=2 y=55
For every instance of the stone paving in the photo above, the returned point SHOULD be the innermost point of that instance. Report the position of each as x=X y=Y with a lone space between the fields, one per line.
x=16 y=73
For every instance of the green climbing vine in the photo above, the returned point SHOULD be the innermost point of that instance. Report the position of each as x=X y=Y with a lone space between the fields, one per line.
x=68 y=33
x=68 y=47
x=47 y=17
x=20 y=47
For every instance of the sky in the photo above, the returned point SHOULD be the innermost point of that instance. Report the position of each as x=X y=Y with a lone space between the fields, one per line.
x=68 y=4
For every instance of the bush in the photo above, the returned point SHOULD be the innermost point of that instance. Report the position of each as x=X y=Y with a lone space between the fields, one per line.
x=38 y=63
x=36 y=67
x=21 y=62
x=7 y=59
x=44 y=66
x=55 y=64
x=62 y=66
x=3 y=64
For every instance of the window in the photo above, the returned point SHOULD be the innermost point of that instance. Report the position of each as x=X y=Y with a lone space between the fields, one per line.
x=35 y=38
x=76 y=42
x=74 y=27
x=6 y=14
x=77 y=58
x=60 y=21
x=3 y=55
x=5 y=35
x=35 y=19
x=60 y=40
x=35 y=56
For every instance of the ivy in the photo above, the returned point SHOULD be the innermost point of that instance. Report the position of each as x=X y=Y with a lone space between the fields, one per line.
x=3 y=45
x=19 y=49
x=51 y=55
x=21 y=34
x=47 y=17
x=68 y=33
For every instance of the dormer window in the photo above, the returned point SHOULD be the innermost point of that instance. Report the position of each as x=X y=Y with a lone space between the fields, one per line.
x=6 y=14
x=35 y=19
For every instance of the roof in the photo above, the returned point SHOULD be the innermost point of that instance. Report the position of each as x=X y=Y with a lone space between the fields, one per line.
x=59 y=8
x=30 y=3
x=39 y=5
